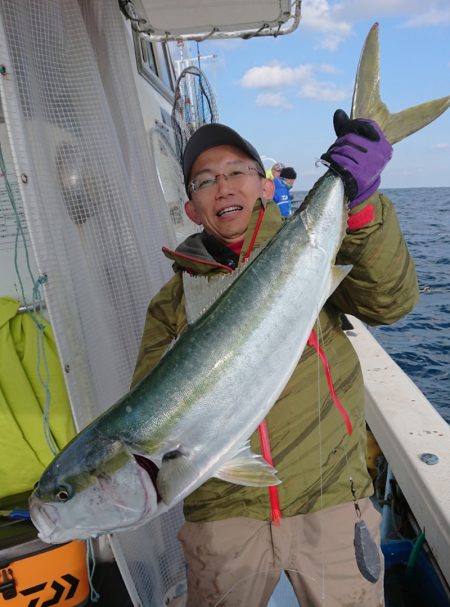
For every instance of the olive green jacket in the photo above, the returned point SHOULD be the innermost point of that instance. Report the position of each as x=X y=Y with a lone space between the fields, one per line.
x=311 y=448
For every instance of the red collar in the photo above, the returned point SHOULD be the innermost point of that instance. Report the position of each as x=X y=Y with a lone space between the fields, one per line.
x=236 y=247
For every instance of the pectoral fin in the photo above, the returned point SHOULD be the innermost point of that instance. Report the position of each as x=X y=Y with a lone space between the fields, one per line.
x=179 y=475
x=338 y=273
x=177 y=472
x=248 y=468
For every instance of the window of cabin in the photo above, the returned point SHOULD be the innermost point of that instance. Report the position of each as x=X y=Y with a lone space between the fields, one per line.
x=155 y=65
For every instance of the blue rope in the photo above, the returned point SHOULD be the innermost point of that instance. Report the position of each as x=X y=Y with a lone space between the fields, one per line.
x=91 y=564
x=37 y=302
x=44 y=378
x=42 y=353
x=19 y=229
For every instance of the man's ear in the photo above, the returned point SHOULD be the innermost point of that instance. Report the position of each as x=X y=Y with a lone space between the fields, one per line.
x=268 y=189
x=191 y=212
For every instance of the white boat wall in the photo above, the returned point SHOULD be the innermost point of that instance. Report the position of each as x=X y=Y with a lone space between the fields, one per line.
x=413 y=437
x=87 y=102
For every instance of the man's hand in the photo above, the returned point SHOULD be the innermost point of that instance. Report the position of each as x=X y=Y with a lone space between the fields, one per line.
x=358 y=155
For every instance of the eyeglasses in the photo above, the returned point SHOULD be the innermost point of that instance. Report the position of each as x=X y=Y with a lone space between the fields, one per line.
x=206 y=181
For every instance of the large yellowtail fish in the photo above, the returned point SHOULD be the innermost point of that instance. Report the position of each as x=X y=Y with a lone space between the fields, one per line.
x=191 y=418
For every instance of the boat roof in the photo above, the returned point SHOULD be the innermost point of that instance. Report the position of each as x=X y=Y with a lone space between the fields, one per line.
x=202 y=19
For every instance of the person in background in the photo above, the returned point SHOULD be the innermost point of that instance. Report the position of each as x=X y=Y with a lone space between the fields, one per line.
x=274 y=171
x=282 y=194
x=237 y=540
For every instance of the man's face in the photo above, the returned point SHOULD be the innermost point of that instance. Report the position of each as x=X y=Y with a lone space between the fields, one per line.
x=224 y=209
x=276 y=173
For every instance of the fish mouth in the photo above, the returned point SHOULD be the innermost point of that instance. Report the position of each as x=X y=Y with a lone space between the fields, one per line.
x=227 y=210
x=44 y=522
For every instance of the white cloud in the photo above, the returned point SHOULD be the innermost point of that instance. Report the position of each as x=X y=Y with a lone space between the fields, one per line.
x=274 y=75
x=326 y=68
x=323 y=91
x=334 y=20
x=350 y=11
x=433 y=16
x=277 y=75
x=273 y=100
x=321 y=17
x=441 y=146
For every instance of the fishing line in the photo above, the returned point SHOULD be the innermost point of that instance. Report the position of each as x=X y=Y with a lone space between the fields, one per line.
x=367 y=554
x=319 y=416
x=428 y=289
x=90 y=566
x=320 y=581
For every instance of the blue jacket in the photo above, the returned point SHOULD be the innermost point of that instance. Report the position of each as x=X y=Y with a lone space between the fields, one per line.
x=282 y=196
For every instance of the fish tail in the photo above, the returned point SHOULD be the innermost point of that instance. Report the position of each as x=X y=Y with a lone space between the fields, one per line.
x=367 y=102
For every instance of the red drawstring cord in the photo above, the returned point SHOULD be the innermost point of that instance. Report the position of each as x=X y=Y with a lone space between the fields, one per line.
x=264 y=434
x=312 y=341
x=273 y=489
x=255 y=232
x=263 y=431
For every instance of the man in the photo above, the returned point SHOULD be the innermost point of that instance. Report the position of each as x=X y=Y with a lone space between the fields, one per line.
x=274 y=171
x=234 y=541
x=282 y=195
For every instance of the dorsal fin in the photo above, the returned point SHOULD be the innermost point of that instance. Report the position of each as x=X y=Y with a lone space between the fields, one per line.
x=367 y=103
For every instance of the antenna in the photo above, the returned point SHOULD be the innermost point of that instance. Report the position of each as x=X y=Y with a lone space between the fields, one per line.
x=194 y=105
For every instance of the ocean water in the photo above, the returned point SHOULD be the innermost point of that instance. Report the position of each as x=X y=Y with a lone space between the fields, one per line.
x=420 y=342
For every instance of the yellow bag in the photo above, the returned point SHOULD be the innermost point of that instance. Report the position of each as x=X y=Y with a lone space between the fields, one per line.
x=24 y=452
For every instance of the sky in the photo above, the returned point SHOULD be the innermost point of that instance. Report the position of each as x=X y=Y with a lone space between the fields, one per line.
x=281 y=93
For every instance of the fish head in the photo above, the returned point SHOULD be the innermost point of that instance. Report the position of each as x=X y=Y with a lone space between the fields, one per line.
x=86 y=494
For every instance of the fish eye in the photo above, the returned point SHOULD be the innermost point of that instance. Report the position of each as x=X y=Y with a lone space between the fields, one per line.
x=63 y=493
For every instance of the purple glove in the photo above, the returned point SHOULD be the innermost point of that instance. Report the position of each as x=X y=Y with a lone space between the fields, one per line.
x=358 y=155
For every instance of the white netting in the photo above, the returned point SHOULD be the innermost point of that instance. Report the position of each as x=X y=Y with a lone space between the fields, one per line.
x=95 y=214
x=12 y=249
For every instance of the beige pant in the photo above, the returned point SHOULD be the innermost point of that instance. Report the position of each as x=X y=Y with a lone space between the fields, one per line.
x=237 y=562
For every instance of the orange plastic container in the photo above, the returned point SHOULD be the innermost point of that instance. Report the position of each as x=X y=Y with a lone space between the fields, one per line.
x=56 y=575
